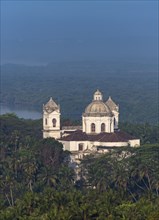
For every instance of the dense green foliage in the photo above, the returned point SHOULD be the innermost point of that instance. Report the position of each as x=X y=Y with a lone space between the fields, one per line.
x=148 y=134
x=37 y=183
x=132 y=86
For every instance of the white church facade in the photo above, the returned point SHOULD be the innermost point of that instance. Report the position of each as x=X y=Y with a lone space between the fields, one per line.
x=99 y=130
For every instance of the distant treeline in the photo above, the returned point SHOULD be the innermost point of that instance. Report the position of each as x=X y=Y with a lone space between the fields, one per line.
x=133 y=87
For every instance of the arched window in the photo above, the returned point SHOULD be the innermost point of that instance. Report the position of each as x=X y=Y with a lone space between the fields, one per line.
x=80 y=147
x=45 y=121
x=114 y=122
x=93 y=127
x=102 y=127
x=54 y=122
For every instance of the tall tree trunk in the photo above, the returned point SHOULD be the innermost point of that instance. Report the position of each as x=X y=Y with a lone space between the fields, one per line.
x=8 y=199
x=11 y=195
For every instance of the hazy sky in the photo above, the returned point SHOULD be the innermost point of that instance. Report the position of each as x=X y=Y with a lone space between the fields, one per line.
x=34 y=32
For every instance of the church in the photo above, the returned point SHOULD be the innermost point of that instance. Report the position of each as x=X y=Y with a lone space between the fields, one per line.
x=99 y=131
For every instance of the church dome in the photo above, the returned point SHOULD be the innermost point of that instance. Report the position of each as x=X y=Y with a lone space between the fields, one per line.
x=97 y=108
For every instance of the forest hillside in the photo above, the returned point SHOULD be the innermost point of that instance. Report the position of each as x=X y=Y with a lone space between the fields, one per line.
x=38 y=183
x=131 y=85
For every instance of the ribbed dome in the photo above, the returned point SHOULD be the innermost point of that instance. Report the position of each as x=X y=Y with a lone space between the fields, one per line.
x=97 y=108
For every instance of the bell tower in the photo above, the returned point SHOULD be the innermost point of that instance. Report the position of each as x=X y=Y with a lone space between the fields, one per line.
x=51 y=120
x=115 y=110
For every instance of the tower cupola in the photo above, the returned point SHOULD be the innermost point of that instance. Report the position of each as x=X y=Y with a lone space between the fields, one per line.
x=97 y=96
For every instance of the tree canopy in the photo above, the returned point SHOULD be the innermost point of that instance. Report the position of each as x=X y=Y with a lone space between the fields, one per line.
x=38 y=183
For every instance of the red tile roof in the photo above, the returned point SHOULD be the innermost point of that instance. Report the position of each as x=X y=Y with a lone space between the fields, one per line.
x=117 y=136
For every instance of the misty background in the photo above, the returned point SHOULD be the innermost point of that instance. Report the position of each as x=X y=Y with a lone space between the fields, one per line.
x=68 y=49
x=40 y=32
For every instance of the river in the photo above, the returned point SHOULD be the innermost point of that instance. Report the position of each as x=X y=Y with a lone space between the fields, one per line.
x=20 y=111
